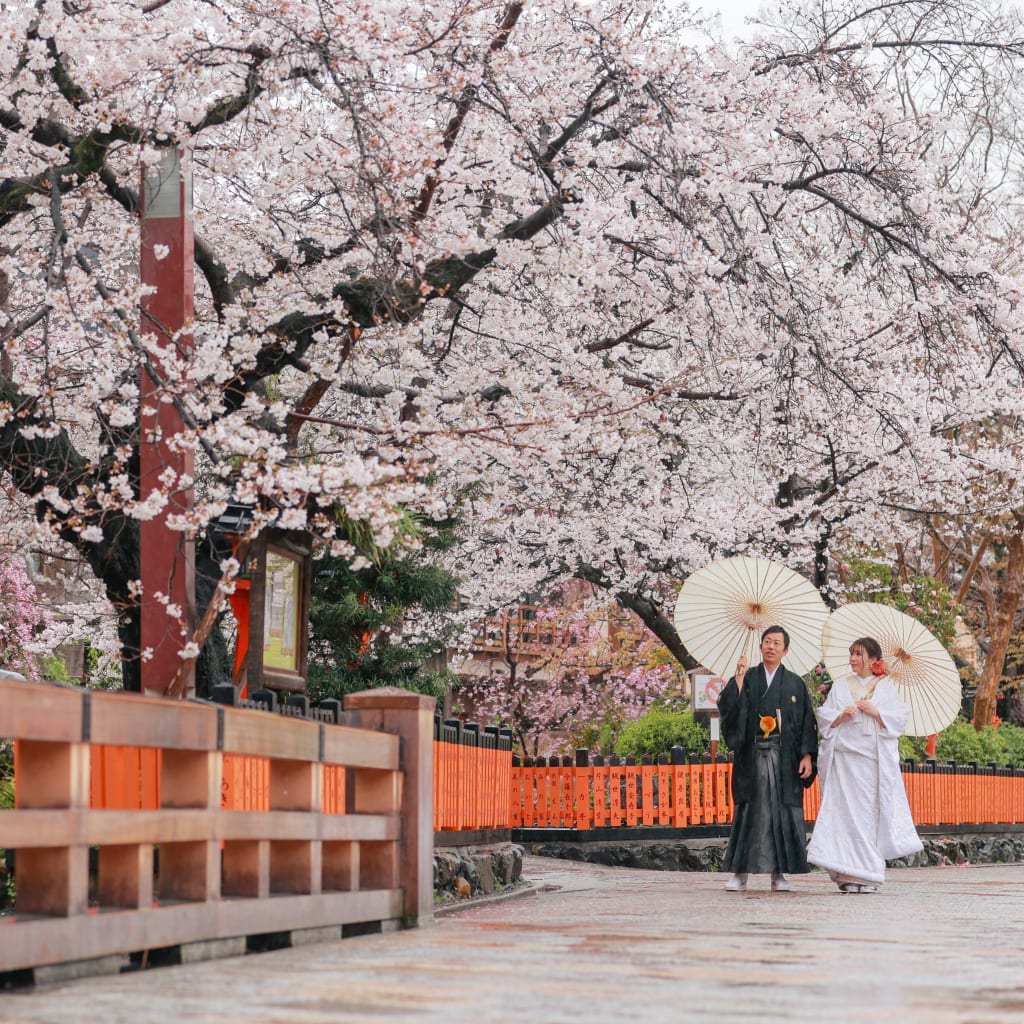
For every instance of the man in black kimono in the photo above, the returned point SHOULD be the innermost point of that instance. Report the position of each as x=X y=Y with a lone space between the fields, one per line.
x=767 y=719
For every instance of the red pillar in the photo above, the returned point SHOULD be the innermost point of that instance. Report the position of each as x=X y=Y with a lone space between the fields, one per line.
x=166 y=555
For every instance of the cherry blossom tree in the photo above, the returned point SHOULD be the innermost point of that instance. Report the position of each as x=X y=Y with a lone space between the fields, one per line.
x=984 y=558
x=627 y=302
x=847 y=414
x=576 y=688
x=974 y=91
x=22 y=616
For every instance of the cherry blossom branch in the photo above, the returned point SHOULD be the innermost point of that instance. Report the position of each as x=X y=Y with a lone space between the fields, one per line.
x=1013 y=48
x=462 y=108
x=216 y=604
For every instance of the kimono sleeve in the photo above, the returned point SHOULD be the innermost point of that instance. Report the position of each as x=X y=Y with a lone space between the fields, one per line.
x=731 y=714
x=809 y=736
x=895 y=714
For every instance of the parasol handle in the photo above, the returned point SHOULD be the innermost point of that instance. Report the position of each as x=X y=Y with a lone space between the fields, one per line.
x=741 y=671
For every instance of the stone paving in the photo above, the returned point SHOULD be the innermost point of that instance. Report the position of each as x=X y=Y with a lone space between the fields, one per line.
x=595 y=944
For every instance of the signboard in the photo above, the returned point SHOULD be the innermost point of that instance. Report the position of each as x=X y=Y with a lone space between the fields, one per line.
x=706 y=689
x=280 y=617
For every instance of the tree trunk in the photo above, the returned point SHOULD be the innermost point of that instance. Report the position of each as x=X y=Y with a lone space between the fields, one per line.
x=661 y=626
x=1000 y=632
x=115 y=563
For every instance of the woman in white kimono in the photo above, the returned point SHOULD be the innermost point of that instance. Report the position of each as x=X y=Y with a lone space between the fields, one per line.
x=864 y=818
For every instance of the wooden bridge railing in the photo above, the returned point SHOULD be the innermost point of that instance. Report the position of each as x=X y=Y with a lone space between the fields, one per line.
x=341 y=835
x=583 y=794
x=472 y=769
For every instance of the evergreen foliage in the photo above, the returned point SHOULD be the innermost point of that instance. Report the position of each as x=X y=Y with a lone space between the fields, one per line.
x=358 y=611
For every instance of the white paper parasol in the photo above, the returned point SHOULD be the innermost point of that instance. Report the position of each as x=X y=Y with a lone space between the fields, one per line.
x=925 y=675
x=724 y=607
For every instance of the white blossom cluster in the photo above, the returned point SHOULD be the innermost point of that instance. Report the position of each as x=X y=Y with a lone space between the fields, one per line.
x=621 y=303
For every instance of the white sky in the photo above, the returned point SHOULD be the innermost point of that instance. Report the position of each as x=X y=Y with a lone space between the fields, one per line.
x=732 y=13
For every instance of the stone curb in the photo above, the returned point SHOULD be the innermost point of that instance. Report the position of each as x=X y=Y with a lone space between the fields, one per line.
x=527 y=889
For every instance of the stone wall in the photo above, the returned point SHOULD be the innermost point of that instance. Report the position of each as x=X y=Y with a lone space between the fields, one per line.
x=707 y=854
x=464 y=871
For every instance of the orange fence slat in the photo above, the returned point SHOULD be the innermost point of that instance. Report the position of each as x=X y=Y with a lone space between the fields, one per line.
x=664 y=794
x=704 y=778
x=567 y=801
x=545 y=783
x=696 y=795
x=812 y=801
x=647 y=774
x=585 y=799
x=631 y=774
x=599 y=787
x=616 y=808
x=517 y=796
x=334 y=789
x=681 y=795
x=723 y=803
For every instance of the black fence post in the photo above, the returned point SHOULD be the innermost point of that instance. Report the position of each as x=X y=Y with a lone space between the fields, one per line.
x=226 y=694
x=268 y=698
x=299 y=701
x=332 y=707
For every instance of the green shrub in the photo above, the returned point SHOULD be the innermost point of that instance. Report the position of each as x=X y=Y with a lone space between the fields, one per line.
x=6 y=774
x=912 y=748
x=962 y=743
x=1012 y=737
x=661 y=729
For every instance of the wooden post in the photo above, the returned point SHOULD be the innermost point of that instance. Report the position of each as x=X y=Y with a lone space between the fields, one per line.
x=53 y=879
x=166 y=556
x=411 y=717
x=190 y=779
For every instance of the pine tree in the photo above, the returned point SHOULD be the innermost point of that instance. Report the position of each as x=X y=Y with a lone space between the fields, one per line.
x=358 y=616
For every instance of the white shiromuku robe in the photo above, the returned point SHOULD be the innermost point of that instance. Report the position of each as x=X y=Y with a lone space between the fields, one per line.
x=864 y=818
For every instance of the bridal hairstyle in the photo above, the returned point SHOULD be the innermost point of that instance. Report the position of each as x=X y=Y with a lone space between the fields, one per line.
x=871 y=647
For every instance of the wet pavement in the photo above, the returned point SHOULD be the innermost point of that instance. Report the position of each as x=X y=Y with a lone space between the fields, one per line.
x=594 y=944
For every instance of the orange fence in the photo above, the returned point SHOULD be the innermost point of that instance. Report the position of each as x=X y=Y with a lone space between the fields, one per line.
x=471 y=777
x=556 y=793
x=472 y=768
x=559 y=794
x=479 y=786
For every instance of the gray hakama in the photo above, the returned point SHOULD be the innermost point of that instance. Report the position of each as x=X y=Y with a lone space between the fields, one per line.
x=768 y=835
